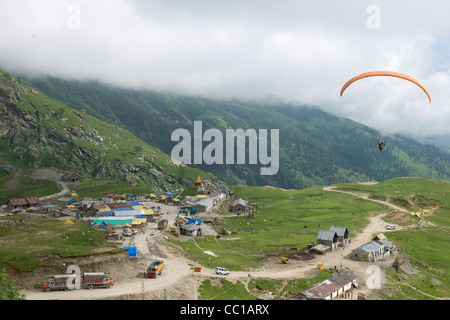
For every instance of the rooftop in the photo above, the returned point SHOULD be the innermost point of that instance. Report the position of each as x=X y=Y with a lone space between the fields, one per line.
x=370 y=246
x=339 y=230
x=326 y=235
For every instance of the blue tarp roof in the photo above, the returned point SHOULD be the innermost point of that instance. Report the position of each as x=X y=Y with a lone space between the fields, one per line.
x=194 y=221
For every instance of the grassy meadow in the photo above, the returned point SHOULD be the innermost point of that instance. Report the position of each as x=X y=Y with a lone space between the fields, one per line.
x=27 y=243
x=19 y=185
x=286 y=219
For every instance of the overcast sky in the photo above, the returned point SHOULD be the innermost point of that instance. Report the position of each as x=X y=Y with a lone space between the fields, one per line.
x=296 y=50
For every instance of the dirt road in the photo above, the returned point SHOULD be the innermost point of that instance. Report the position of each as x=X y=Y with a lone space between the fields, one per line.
x=365 y=196
x=174 y=271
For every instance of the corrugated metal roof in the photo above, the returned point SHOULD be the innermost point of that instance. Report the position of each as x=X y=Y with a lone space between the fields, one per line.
x=329 y=286
x=240 y=201
x=204 y=202
x=322 y=289
x=385 y=242
x=370 y=246
x=339 y=230
x=24 y=201
x=326 y=235
x=132 y=213
x=343 y=278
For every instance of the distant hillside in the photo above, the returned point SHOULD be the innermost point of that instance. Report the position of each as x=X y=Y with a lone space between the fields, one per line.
x=316 y=148
x=38 y=131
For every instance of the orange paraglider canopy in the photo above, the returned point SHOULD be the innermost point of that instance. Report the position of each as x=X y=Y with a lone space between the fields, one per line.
x=385 y=73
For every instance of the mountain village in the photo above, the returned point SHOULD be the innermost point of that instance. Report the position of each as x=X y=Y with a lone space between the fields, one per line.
x=126 y=215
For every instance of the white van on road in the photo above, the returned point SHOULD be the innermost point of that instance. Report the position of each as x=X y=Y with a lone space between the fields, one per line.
x=223 y=271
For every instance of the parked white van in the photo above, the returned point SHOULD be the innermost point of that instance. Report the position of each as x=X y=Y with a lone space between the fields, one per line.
x=391 y=226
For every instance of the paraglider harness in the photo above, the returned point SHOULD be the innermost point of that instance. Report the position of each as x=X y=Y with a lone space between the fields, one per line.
x=381 y=144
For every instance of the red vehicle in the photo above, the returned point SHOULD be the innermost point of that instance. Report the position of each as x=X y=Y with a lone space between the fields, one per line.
x=155 y=268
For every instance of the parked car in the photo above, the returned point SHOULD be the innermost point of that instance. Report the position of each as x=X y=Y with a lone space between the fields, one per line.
x=127 y=232
x=223 y=271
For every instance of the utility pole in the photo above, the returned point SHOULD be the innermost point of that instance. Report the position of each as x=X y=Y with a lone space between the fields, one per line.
x=253 y=213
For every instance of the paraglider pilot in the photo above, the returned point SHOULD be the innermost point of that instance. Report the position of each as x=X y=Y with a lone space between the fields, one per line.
x=381 y=144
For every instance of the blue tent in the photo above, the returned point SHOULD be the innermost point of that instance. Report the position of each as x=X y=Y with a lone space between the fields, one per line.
x=132 y=251
x=194 y=221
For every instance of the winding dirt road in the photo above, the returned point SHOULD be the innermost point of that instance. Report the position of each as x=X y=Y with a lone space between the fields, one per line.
x=366 y=197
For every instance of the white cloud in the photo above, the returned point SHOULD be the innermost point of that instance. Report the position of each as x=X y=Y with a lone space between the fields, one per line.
x=297 y=50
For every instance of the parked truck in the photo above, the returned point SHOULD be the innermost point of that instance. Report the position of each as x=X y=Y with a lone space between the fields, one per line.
x=155 y=268
x=162 y=224
x=96 y=280
x=59 y=282
x=69 y=281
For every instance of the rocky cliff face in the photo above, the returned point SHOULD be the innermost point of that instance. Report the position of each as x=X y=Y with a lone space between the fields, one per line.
x=32 y=135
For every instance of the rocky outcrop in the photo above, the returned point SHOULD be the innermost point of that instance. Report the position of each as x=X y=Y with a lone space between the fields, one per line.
x=26 y=129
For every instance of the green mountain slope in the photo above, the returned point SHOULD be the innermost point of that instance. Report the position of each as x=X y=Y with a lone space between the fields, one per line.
x=315 y=147
x=38 y=131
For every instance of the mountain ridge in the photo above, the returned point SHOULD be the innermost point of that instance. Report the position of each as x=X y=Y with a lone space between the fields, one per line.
x=316 y=148
x=39 y=131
